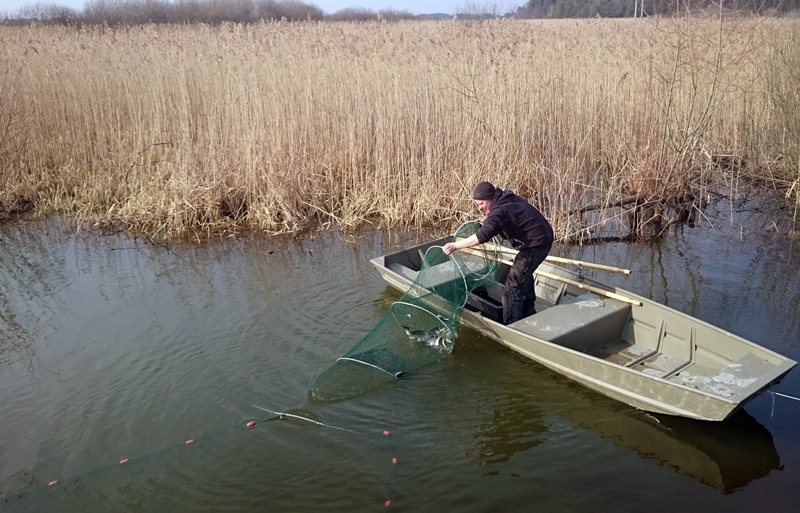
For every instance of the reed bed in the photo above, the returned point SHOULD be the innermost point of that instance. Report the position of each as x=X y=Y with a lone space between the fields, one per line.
x=197 y=131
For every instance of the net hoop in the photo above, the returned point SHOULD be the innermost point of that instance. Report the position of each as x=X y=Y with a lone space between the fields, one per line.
x=484 y=248
x=455 y=262
x=412 y=305
x=348 y=359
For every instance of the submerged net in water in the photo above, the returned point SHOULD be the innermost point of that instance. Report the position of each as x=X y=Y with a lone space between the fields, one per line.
x=420 y=328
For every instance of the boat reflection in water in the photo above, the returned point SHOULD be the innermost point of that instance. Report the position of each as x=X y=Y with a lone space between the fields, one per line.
x=725 y=455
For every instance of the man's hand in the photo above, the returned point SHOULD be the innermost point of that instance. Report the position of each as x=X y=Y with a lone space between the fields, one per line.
x=449 y=248
x=469 y=242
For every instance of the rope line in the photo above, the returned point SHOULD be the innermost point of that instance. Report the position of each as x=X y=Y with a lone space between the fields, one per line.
x=773 y=394
x=784 y=395
x=13 y=496
x=279 y=415
x=124 y=461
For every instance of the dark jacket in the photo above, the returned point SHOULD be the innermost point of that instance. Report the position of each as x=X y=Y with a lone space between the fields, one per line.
x=517 y=221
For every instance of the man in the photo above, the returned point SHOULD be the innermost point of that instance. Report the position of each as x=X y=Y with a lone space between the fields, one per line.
x=517 y=221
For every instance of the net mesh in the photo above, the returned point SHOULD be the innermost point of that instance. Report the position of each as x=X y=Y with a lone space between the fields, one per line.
x=418 y=329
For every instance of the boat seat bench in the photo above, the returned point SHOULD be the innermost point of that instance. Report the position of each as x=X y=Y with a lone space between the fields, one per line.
x=586 y=323
x=446 y=273
x=403 y=271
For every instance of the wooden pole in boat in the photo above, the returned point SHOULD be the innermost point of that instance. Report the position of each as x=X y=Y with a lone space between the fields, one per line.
x=601 y=267
x=568 y=281
x=561 y=260
x=590 y=288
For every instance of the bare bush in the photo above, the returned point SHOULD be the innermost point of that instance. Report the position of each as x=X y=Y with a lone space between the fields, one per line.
x=287 y=10
x=48 y=13
x=137 y=12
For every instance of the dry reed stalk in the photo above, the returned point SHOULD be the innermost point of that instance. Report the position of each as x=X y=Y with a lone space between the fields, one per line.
x=280 y=127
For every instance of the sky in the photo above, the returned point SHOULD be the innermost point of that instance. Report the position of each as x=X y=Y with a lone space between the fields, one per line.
x=329 y=6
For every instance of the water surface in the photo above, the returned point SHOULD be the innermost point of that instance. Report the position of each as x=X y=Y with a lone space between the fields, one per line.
x=112 y=349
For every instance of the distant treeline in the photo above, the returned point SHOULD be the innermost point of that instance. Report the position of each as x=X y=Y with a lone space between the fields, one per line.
x=629 y=8
x=135 y=12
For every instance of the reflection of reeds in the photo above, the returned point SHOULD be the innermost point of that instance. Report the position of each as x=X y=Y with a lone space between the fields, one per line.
x=278 y=127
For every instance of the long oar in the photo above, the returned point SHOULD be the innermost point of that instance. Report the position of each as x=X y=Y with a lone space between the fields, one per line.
x=568 y=281
x=590 y=288
x=592 y=265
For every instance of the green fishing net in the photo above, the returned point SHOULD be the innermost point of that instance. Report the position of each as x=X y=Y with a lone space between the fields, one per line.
x=418 y=329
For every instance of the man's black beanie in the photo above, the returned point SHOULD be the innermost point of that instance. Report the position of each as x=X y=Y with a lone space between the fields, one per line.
x=484 y=191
